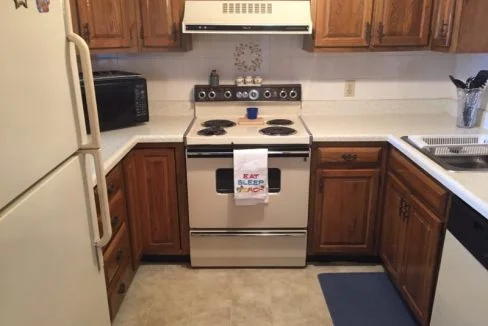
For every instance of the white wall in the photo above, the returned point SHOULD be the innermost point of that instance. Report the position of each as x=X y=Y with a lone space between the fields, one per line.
x=398 y=75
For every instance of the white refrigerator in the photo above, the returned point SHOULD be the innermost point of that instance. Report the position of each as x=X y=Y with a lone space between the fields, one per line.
x=51 y=264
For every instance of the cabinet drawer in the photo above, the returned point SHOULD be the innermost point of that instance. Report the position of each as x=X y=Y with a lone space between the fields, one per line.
x=349 y=155
x=114 y=181
x=118 y=289
x=117 y=253
x=118 y=213
x=426 y=188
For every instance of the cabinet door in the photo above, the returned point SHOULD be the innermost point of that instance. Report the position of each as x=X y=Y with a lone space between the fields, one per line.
x=421 y=254
x=444 y=23
x=401 y=22
x=345 y=211
x=393 y=226
x=160 y=23
x=158 y=194
x=134 y=209
x=108 y=24
x=343 y=23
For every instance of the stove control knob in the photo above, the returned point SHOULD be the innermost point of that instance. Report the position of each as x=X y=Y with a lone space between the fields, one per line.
x=293 y=94
x=239 y=95
x=267 y=93
x=283 y=94
x=253 y=94
x=202 y=95
x=245 y=94
x=212 y=95
x=228 y=94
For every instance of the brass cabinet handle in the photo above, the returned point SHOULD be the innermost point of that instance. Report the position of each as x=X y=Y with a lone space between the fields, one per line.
x=349 y=157
x=85 y=33
x=381 y=33
x=367 y=32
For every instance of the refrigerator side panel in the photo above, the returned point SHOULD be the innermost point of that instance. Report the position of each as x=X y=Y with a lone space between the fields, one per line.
x=39 y=125
x=49 y=269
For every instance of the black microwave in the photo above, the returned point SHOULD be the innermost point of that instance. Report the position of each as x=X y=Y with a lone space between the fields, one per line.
x=121 y=99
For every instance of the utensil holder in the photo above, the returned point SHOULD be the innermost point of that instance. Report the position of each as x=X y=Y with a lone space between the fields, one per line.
x=468 y=107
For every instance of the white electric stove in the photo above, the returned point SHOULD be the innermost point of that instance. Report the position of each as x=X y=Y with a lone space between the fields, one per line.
x=221 y=233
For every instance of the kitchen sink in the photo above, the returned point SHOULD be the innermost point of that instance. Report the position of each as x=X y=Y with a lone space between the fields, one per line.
x=454 y=153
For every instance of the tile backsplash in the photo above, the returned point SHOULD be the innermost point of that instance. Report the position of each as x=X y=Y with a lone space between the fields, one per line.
x=280 y=59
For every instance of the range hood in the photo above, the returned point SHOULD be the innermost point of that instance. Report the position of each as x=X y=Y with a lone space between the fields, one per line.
x=247 y=17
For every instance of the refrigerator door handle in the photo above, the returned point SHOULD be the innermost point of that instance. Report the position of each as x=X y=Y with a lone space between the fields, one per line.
x=102 y=199
x=91 y=102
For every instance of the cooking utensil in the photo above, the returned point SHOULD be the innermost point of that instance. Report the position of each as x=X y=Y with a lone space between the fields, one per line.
x=480 y=80
x=458 y=83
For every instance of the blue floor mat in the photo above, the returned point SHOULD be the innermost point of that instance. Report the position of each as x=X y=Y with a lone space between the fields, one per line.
x=364 y=299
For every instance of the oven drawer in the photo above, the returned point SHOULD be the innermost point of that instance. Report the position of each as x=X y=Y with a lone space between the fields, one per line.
x=251 y=248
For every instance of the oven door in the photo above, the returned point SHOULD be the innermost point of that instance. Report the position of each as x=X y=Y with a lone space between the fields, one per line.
x=211 y=197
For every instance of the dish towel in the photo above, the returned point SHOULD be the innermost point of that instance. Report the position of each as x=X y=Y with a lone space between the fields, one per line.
x=250 y=176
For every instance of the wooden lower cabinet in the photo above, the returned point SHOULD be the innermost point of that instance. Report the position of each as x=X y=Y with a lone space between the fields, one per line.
x=345 y=211
x=133 y=207
x=422 y=249
x=413 y=227
x=392 y=237
x=158 y=187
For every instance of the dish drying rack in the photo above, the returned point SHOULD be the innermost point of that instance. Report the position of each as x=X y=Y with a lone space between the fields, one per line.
x=464 y=145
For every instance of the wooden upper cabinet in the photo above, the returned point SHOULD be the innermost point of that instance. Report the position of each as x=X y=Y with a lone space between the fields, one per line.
x=460 y=26
x=108 y=24
x=421 y=256
x=343 y=23
x=443 y=23
x=160 y=23
x=392 y=237
x=402 y=22
x=158 y=196
x=345 y=211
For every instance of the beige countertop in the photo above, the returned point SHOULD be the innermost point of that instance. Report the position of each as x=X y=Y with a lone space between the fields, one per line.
x=472 y=187
x=160 y=129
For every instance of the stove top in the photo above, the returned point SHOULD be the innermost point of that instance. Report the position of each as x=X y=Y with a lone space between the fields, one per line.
x=219 y=110
x=212 y=131
x=247 y=134
x=280 y=122
x=218 y=123
x=277 y=131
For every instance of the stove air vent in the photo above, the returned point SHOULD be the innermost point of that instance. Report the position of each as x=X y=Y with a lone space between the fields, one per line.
x=247 y=8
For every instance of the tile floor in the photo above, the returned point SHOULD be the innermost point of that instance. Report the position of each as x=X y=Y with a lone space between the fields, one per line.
x=177 y=295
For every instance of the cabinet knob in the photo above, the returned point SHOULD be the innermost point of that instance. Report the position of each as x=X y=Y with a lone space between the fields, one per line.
x=122 y=288
x=114 y=222
x=381 y=33
x=175 y=32
x=85 y=33
x=118 y=256
x=367 y=32
x=110 y=188
x=349 y=157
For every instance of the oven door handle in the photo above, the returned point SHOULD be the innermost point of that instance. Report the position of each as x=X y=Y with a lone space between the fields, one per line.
x=246 y=234
x=230 y=154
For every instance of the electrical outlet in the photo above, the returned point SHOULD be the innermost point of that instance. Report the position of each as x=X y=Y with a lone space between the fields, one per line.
x=349 y=88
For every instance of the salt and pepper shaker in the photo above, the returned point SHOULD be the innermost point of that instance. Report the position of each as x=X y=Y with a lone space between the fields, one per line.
x=214 y=78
